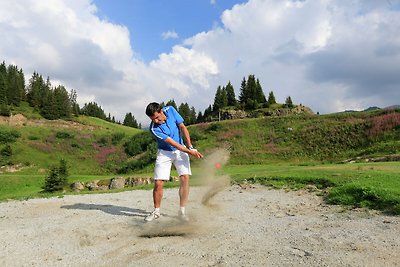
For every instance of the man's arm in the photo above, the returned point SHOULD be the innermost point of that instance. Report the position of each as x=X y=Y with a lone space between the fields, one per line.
x=186 y=135
x=188 y=142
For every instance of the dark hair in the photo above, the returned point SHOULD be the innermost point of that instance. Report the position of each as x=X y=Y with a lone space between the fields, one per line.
x=152 y=108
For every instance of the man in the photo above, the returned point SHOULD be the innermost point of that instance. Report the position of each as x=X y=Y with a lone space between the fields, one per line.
x=168 y=128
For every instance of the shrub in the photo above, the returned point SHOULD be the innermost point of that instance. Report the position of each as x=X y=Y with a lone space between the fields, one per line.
x=5 y=110
x=57 y=178
x=64 y=135
x=117 y=137
x=6 y=151
x=139 y=143
x=8 y=136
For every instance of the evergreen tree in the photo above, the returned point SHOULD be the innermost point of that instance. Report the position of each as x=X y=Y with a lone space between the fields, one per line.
x=184 y=110
x=207 y=113
x=243 y=92
x=289 y=102
x=4 y=109
x=74 y=103
x=62 y=101
x=271 y=98
x=15 y=85
x=260 y=97
x=57 y=178
x=220 y=99
x=172 y=103
x=230 y=94
x=192 y=115
x=49 y=109
x=130 y=121
x=200 y=117
x=37 y=90
x=93 y=110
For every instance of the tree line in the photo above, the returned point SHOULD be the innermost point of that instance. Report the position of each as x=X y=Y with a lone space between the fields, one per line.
x=55 y=102
x=251 y=97
x=52 y=102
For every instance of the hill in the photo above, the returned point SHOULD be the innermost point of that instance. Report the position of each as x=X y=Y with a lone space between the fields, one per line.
x=89 y=145
x=304 y=137
x=97 y=147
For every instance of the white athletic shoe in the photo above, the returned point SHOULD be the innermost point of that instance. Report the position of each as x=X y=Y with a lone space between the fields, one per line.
x=183 y=216
x=152 y=216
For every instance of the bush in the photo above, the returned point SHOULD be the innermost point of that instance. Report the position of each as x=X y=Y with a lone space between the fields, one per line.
x=6 y=151
x=139 y=143
x=64 y=135
x=8 y=136
x=57 y=178
x=117 y=137
x=5 y=110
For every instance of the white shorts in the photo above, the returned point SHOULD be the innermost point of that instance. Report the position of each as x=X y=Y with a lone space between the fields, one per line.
x=164 y=162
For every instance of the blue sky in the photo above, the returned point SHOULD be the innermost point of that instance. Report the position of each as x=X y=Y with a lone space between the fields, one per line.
x=330 y=55
x=148 y=20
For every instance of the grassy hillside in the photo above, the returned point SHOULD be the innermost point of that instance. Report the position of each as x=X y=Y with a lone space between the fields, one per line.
x=303 y=139
x=89 y=145
x=289 y=151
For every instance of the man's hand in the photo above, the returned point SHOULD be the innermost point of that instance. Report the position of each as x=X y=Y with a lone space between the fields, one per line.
x=195 y=153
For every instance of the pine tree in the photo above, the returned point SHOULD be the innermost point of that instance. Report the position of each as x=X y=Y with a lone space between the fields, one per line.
x=172 y=103
x=62 y=101
x=243 y=92
x=94 y=110
x=192 y=115
x=271 y=98
x=220 y=99
x=57 y=178
x=259 y=93
x=230 y=94
x=4 y=108
x=74 y=103
x=200 y=117
x=289 y=102
x=15 y=85
x=130 y=121
x=184 y=110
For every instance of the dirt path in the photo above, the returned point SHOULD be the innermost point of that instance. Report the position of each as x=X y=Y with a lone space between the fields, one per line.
x=251 y=226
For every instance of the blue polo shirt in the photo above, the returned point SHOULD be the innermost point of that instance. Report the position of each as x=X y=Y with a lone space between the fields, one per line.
x=168 y=129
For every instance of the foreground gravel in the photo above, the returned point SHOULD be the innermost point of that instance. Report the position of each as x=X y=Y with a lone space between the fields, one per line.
x=240 y=226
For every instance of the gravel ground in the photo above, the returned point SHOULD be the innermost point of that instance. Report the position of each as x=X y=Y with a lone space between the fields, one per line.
x=240 y=226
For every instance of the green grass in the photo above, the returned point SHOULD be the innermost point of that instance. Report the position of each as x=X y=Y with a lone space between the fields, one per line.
x=106 y=126
x=372 y=185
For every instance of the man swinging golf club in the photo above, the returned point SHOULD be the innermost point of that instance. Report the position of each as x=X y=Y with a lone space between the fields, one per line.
x=167 y=127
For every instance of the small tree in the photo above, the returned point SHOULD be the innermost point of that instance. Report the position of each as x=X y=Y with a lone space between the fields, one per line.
x=271 y=98
x=57 y=178
x=289 y=102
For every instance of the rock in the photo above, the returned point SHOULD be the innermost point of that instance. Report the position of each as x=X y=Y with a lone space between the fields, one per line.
x=77 y=186
x=117 y=183
x=137 y=181
x=92 y=186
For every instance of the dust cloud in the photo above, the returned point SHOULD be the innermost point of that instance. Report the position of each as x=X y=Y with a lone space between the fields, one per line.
x=213 y=183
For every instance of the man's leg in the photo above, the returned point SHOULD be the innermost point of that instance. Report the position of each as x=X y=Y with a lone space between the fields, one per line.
x=183 y=190
x=157 y=197
x=158 y=193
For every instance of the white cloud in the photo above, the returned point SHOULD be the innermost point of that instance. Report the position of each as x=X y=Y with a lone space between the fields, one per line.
x=169 y=35
x=330 y=55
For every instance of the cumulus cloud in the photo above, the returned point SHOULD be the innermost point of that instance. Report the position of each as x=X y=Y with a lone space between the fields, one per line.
x=169 y=35
x=329 y=55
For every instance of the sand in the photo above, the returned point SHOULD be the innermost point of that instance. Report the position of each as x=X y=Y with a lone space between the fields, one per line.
x=250 y=226
x=230 y=225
